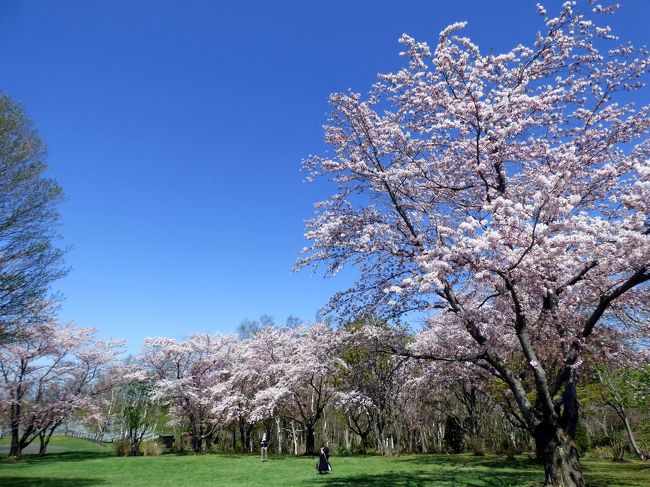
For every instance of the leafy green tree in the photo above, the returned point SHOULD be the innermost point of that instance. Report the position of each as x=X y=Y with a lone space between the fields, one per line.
x=622 y=389
x=29 y=262
x=369 y=384
x=140 y=413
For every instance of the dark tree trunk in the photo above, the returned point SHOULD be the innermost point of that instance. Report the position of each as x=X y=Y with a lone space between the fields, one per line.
x=134 y=446
x=249 y=443
x=310 y=444
x=43 y=440
x=208 y=442
x=197 y=433
x=558 y=453
x=364 y=443
x=570 y=410
x=242 y=436
x=134 y=451
x=356 y=424
x=245 y=430
x=197 y=443
x=45 y=436
x=15 y=450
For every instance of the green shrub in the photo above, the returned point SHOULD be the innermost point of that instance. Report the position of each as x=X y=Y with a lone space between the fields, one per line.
x=602 y=452
x=582 y=438
x=601 y=440
x=342 y=451
x=182 y=445
x=477 y=445
x=643 y=438
x=121 y=447
x=151 y=448
x=619 y=448
x=509 y=447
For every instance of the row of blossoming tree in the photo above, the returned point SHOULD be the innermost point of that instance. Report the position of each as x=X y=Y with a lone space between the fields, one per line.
x=348 y=388
x=361 y=387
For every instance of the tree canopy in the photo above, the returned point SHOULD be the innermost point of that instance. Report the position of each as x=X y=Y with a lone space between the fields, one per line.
x=29 y=260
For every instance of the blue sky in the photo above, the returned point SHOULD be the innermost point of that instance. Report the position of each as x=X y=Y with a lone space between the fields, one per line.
x=176 y=129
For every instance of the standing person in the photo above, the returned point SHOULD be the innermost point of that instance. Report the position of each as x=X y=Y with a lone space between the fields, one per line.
x=323 y=464
x=264 y=448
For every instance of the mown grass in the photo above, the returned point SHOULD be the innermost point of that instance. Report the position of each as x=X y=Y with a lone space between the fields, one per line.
x=78 y=463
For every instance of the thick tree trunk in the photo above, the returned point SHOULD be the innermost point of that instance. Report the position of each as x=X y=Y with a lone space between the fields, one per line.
x=242 y=436
x=208 y=442
x=245 y=430
x=559 y=455
x=364 y=443
x=197 y=444
x=249 y=438
x=15 y=450
x=43 y=443
x=310 y=441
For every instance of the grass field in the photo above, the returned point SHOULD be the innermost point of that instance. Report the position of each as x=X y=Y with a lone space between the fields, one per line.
x=78 y=463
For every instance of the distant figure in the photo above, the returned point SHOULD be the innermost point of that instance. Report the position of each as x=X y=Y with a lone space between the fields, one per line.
x=323 y=465
x=264 y=447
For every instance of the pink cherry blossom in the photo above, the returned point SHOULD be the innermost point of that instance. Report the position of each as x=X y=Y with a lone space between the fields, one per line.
x=506 y=196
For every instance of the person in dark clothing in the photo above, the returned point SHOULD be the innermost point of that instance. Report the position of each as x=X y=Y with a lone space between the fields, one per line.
x=264 y=448
x=323 y=465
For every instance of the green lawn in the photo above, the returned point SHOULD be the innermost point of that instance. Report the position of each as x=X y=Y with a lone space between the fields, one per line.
x=77 y=463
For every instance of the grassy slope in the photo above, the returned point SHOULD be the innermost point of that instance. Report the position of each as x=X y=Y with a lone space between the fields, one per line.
x=63 y=444
x=88 y=464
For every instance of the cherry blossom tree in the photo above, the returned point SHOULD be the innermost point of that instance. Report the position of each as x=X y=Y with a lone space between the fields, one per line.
x=51 y=372
x=359 y=414
x=300 y=364
x=187 y=373
x=507 y=196
x=234 y=397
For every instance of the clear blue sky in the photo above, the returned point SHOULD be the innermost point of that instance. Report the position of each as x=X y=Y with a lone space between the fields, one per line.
x=176 y=129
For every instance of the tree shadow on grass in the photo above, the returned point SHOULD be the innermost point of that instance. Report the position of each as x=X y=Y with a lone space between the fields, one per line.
x=607 y=482
x=48 y=482
x=67 y=456
x=292 y=458
x=606 y=478
x=423 y=478
x=518 y=463
x=244 y=456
